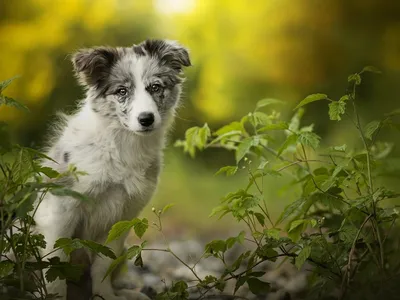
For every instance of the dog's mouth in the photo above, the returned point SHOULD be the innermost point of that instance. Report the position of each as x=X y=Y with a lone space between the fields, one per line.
x=145 y=131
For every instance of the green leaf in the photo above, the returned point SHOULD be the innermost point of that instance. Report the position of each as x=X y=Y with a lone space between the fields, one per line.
x=64 y=192
x=6 y=267
x=116 y=263
x=244 y=148
x=290 y=140
x=275 y=126
x=118 y=229
x=133 y=251
x=309 y=139
x=195 y=137
x=267 y=102
x=311 y=98
x=63 y=270
x=239 y=283
x=290 y=209
x=98 y=248
x=4 y=84
x=336 y=110
x=273 y=233
x=296 y=223
x=68 y=245
x=140 y=227
x=370 y=129
x=371 y=69
x=228 y=170
x=295 y=120
x=215 y=247
x=7 y=101
x=261 y=218
x=167 y=207
x=49 y=172
x=302 y=257
x=234 y=127
x=257 y=286
x=354 y=77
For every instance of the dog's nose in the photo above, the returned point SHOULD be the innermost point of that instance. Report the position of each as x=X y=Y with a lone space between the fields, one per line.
x=146 y=119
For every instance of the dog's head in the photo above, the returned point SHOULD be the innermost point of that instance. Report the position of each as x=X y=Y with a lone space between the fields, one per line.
x=137 y=86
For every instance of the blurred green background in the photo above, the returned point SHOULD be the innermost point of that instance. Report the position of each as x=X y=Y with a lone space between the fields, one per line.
x=241 y=51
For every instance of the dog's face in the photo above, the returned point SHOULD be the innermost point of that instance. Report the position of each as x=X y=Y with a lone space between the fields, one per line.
x=136 y=86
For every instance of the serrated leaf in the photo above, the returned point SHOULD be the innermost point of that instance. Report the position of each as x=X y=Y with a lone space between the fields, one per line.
x=228 y=170
x=371 y=69
x=140 y=227
x=336 y=110
x=311 y=98
x=370 y=129
x=354 y=77
x=64 y=192
x=302 y=257
x=257 y=286
x=309 y=139
x=118 y=229
x=267 y=102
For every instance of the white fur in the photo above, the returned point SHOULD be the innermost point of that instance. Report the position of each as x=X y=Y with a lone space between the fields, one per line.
x=121 y=161
x=116 y=161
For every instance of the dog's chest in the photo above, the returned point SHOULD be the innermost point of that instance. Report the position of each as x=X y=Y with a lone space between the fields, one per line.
x=112 y=166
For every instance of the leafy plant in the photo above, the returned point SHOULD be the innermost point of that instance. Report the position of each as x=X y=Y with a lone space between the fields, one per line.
x=23 y=180
x=341 y=228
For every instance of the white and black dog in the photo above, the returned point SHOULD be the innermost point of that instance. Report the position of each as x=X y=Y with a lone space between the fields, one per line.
x=116 y=137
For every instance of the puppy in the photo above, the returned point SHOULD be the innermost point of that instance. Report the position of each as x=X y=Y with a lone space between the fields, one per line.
x=117 y=137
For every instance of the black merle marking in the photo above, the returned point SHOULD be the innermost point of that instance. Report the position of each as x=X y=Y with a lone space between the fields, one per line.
x=169 y=54
x=92 y=65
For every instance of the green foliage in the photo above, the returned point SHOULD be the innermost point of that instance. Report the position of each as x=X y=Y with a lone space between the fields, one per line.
x=24 y=182
x=339 y=225
x=342 y=225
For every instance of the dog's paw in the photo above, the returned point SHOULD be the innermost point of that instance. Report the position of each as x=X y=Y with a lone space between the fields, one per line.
x=132 y=295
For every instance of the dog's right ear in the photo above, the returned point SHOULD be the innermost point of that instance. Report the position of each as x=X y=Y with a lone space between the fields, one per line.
x=92 y=66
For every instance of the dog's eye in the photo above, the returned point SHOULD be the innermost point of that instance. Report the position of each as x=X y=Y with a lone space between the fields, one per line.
x=155 y=88
x=121 y=92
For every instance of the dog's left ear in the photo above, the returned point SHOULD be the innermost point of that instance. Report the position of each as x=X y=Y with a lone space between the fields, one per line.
x=170 y=53
x=92 y=65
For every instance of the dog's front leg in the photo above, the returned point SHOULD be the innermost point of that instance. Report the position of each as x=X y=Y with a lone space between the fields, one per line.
x=56 y=218
x=104 y=288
